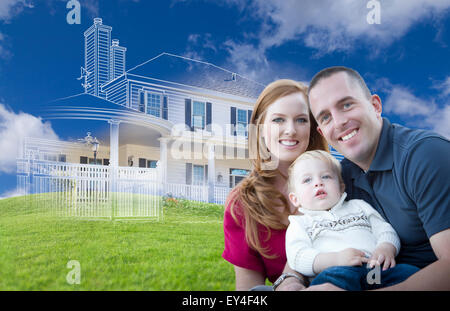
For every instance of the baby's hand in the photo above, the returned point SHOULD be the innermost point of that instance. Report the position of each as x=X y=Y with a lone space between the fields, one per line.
x=384 y=253
x=351 y=257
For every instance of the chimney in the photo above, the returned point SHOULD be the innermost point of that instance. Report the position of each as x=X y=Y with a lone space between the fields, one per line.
x=115 y=42
x=98 y=21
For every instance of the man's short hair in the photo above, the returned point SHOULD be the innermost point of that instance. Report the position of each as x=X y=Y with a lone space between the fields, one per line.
x=353 y=74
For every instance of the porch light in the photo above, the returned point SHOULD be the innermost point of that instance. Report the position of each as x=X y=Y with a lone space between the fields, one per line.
x=95 y=144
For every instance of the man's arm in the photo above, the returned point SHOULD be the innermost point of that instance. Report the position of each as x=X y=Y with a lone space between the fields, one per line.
x=292 y=284
x=426 y=173
x=435 y=276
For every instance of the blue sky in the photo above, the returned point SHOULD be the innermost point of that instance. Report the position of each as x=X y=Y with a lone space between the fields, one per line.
x=404 y=58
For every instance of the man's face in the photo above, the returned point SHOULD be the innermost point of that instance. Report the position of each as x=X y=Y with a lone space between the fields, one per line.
x=348 y=120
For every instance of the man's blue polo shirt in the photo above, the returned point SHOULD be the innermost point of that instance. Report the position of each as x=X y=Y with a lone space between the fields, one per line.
x=408 y=183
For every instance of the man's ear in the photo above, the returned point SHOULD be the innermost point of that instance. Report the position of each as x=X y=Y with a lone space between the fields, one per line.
x=319 y=130
x=294 y=199
x=375 y=101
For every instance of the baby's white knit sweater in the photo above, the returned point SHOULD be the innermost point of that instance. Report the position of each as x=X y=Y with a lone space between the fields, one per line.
x=352 y=224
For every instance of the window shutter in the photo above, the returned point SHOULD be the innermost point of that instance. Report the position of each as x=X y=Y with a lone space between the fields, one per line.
x=188 y=173
x=208 y=116
x=142 y=162
x=187 y=113
x=165 y=108
x=141 y=101
x=249 y=117
x=233 y=121
x=206 y=175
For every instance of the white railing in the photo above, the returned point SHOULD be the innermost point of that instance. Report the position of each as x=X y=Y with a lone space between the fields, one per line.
x=196 y=193
x=188 y=192
x=85 y=190
x=220 y=194
x=92 y=190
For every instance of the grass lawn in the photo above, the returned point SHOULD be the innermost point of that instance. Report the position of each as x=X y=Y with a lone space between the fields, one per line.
x=181 y=252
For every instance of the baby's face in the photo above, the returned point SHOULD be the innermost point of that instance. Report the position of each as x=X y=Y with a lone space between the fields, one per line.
x=316 y=185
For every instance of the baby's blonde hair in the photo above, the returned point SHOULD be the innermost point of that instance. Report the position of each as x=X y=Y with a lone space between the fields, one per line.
x=324 y=156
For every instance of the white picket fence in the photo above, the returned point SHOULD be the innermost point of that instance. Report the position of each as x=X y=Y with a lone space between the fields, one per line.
x=96 y=191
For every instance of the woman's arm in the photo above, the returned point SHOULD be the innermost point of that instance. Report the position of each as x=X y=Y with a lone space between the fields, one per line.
x=246 y=279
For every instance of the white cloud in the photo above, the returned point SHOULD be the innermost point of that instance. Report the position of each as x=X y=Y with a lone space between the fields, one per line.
x=444 y=86
x=402 y=101
x=328 y=25
x=10 y=8
x=199 y=45
x=418 y=112
x=13 y=128
x=91 y=6
x=335 y=25
x=440 y=121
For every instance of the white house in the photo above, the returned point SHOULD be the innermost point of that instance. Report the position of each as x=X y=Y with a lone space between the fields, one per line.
x=187 y=117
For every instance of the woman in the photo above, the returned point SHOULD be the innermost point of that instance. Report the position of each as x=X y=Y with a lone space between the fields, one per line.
x=256 y=214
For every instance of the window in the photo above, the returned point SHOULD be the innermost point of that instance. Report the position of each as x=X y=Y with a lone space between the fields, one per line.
x=49 y=157
x=198 y=175
x=62 y=158
x=147 y=163
x=96 y=161
x=154 y=104
x=241 y=124
x=83 y=160
x=239 y=119
x=236 y=175
x=151 y=163
x=198 y=115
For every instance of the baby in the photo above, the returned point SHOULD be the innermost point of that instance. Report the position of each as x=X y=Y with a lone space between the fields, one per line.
x=333 y=239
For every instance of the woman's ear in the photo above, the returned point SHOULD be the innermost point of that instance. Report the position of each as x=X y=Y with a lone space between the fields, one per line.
x=294 y=199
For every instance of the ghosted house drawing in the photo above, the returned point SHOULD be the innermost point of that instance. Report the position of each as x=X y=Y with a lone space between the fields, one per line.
x=182 y=118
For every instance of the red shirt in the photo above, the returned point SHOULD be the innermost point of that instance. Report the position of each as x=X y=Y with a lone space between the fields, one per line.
x=239 y=253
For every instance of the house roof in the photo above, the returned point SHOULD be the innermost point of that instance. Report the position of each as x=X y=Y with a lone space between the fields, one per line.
x=183 y=70
x=85 y=100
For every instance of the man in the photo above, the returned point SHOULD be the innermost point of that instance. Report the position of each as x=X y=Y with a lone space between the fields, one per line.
x=403 y=173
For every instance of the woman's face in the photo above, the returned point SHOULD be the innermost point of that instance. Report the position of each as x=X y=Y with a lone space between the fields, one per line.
x=287 y=128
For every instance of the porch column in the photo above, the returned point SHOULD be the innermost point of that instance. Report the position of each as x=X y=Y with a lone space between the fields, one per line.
x=114 y=143
x=211 y=173
x=163 y=159
x=113 y=164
